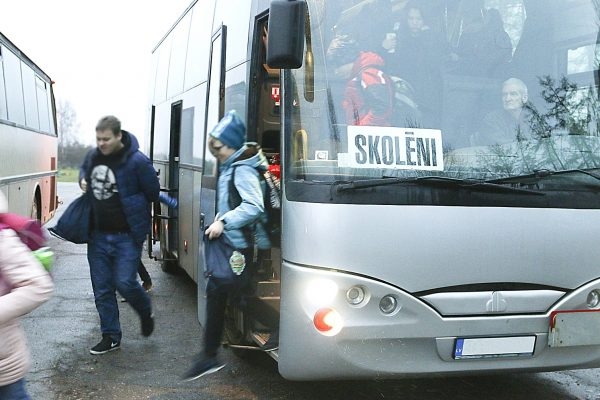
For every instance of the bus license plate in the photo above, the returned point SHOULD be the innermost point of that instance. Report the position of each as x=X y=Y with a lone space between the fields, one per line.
x=513 y=346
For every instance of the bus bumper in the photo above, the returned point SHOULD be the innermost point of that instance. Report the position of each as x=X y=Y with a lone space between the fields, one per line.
x=414 y=339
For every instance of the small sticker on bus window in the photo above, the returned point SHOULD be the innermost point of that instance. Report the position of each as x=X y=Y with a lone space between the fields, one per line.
x=393 y=148
x=321 y=155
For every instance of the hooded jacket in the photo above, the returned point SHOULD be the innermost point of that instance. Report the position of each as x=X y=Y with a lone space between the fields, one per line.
x=137 y=183
x=24 y=285
x=369 y=95
x=247 y=161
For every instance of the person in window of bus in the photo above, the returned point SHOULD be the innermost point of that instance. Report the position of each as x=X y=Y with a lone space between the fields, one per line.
x=122 y=186
x=419 y=55
x=511 y=123
x=227 y=144
x=368 y=25
x=24 y=285
x=369 y=94
x=483 y=46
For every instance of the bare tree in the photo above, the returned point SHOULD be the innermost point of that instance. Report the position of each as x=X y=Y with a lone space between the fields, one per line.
x=70 y=151
x=68 y=126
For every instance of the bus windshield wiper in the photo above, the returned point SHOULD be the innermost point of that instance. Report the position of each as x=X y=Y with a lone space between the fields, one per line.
x=467 y=184
x=538 y=175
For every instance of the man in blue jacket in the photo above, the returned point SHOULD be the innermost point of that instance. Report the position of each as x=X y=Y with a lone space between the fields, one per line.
x=240 y=224
x=122 y=184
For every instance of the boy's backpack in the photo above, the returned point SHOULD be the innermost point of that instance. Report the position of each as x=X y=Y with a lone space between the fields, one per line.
x=31 y=234
x=272 y=201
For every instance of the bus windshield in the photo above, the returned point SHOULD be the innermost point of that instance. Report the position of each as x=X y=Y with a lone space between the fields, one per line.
x=486 y=91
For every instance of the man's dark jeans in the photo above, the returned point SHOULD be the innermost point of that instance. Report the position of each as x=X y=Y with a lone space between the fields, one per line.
x=114 y=260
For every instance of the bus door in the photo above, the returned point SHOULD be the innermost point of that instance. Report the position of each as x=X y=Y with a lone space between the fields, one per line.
x=173 y=176
x=208 y=190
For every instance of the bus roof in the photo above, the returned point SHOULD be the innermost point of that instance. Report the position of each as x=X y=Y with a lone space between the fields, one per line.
x=5 y=41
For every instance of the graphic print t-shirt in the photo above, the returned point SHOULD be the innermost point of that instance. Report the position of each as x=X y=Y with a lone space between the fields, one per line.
x=106 y=201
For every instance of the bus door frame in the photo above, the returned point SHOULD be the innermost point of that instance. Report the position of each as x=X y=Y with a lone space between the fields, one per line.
x=173 y=177
x=208 y=191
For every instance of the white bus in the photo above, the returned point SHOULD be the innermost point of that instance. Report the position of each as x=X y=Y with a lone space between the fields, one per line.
x=28 y=150
x=417 y=237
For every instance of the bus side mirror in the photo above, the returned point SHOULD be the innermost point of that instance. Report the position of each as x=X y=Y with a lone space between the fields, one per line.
x=286 y=34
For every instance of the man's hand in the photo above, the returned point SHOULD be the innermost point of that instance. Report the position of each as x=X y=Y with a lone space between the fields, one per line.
x=215 y=229
x=83 y=184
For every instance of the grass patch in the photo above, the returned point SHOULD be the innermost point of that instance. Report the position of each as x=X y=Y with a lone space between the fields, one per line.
x=68 y=175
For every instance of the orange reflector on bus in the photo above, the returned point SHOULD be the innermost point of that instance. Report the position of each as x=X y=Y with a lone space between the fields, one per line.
x=328 y=321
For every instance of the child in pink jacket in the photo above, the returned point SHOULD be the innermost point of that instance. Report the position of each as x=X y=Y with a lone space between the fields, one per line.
x=24 y=285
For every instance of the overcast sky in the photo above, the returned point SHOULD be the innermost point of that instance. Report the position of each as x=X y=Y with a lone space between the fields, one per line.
x=97 y=52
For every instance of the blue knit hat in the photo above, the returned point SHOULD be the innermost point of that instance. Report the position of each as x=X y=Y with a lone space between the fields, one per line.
x=230 y=131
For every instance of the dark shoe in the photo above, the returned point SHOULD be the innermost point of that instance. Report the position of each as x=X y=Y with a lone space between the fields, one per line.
x=106 y=344
x=202 y=366
x=148 y=325
x=147 y=286
x=273 y=343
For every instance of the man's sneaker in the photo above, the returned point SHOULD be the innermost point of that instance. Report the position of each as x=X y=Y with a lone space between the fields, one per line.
x=106 y=344
x=202 y=366
x=148 y=325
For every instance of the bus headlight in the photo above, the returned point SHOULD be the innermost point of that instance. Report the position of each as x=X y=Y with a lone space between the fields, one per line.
x=593 y=299
x=321 y=292
x=388 y=304
x=356 y=295
x=328 y=321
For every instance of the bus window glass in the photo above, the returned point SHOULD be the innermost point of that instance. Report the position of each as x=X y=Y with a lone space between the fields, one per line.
x=187 y=135
x=3 y=113
x=237 y=28
x=582 y=59
x=196 y=97
x=235 y=90
x=42 y=105
x=177 y=60
x=30 y=96
x=162 y=125
x=50 y=103
x=14 y=87
x=466 y=89
x=196 y=68
x=162 y=55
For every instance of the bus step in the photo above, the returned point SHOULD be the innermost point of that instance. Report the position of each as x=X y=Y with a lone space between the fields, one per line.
x=268 y=288
x=261 y=338
x=241 y=346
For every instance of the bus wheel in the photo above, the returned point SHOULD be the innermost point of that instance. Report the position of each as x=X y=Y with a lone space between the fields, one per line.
x=35 y=208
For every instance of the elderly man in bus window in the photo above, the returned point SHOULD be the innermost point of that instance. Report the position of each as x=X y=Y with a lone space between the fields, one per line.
x=511 y=123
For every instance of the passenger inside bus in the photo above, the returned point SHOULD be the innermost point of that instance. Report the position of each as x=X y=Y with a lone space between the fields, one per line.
x=511 y=122
x=368 y=97
x=418 y=59
x=482 y=44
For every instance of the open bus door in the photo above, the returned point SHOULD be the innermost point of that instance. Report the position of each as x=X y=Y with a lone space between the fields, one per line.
x=208 y=189
x=249 y=326
x=165 y=219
